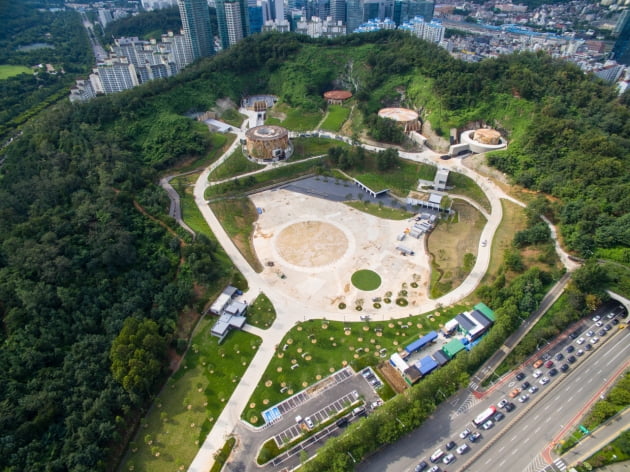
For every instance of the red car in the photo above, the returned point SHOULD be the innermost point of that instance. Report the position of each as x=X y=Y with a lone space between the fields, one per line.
x=549 y=364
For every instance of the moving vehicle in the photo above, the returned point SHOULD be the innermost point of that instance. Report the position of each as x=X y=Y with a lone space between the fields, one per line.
x=498 y=416
x=484 y=416
x=342 y=422
x=464 y=434
x=474 y=437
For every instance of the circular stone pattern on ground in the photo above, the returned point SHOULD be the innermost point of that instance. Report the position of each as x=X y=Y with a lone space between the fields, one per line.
x=366 y=280
x=311 y=244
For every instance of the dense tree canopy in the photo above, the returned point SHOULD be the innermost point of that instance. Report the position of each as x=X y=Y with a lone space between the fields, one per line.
x=77 y=259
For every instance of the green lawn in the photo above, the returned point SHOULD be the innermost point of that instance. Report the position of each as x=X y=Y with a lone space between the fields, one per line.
x=337 y=116
x=381 y=211
x=7 y=71
x=366 y=280
x=233 y=117
x=616 y=451
x=235 y=164
x=261 y=313
x=237 y=216
x=400 y=180
x=191 y=401
x=295 y=118
x=273 y=176
x=309 y=147
x=320 y=347
x=468 y=187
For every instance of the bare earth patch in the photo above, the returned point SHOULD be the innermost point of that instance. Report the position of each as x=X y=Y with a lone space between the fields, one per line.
x=311 y=244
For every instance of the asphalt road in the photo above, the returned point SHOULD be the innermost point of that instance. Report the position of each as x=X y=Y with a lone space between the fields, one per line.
x=516 y=442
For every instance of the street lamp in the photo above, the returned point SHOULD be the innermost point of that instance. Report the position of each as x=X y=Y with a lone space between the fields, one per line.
x=401 y=423
x=352 y=457
x=538 y=345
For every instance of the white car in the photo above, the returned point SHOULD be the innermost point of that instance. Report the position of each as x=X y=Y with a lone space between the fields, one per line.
x=487 y=425
x=523 y=398
x=544 y=381
x=537 y=373
x=502 y=403
x=309 y=422
x=594 y=340
x=464 y=434
x=448 y=458
x=599 y=323
x=462 y=449
x=533 y=389
x=596 y=318
x=580 y=341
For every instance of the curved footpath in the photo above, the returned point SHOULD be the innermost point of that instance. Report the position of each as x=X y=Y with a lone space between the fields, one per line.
x=290 y=311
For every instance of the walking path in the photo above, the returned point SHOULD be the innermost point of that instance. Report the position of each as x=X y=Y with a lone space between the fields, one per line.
x=291 y=311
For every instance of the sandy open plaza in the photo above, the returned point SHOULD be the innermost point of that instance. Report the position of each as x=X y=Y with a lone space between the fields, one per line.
x=317 y=244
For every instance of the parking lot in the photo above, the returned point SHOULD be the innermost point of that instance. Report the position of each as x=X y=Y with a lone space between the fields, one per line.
x=320 y=416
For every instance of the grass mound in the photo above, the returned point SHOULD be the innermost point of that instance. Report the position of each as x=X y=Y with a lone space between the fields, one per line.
x=366 y=280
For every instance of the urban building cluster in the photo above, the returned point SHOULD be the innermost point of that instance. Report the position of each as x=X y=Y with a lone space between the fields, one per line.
x=490 y=29
x=495 y=28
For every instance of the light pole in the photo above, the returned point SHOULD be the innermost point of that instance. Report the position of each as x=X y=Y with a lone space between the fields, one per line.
x=401 y=423
x=352 y=457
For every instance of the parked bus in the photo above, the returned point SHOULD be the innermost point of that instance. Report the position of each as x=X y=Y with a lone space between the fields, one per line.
x=484 y=416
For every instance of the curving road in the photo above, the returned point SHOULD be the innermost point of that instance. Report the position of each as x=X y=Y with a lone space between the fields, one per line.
x=290 y=311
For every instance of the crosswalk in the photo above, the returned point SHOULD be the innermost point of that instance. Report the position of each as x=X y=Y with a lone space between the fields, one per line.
x=470 y=401
x=539 y=465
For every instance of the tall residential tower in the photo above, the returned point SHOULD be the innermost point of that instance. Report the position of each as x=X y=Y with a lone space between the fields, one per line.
x=196 y=22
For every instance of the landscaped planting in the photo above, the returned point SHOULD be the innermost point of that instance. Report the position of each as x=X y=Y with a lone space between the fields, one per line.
x=261 y=313
x=366 y=280
x=191 y=401
x=336 y=117
x=321 y=347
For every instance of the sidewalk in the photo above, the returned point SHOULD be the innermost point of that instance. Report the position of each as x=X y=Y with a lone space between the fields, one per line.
x=598 y=439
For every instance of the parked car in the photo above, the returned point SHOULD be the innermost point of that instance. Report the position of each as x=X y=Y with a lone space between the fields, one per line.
x=448 y=458
x=464 y=434
x=533 y=389
x=580 y=341
x=553 y=372
x=463 y=449
x=588 y=347
x=579 y=353
x=570 y=348
x=571 y=359
x=520 y=376
x=525 y=385
x=564 y=367
x=502 y=403
x=559 y=356
x=450 y=445
x=538 y=363
x=487 y=425
x=544 y=381
x=537 y=374
x=309 y=422
x=549 y=364
x=421 y=466
x=509 y=407
x=498 y=416
x=596 y=318
x=523 y=398
x=474 y=437
x=590 y=333
x=514 y=393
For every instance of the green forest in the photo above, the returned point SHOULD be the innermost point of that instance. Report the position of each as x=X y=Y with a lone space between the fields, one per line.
x=30 y=36
x=81 y=268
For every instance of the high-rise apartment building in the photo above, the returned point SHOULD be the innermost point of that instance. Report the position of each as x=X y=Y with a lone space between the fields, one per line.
x=197 y=31
x=117 y=74
x=338 y=10
x=621 y=49
x=405 y=10
x=233 y=21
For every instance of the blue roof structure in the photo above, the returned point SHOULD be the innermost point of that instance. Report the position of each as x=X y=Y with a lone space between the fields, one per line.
x=422 y=342
x=426 y=365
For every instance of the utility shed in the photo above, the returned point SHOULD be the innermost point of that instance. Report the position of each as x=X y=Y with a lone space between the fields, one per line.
x=451 y=325
x=487 y=312
x=398 y=362
x=440 y=357
x=412 y=375
x=426 y=365
x=422 y=342
x=465 y=323
x=481 y=319
x=453 y=347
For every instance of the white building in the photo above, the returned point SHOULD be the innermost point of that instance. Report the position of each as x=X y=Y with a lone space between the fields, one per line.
x=317 y=28
x=234 y=22
x=117 y=74
x=432 y=31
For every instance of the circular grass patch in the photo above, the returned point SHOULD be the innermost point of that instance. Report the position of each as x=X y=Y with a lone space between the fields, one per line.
x=401 y=301
x=366 y=280
x=342 y=306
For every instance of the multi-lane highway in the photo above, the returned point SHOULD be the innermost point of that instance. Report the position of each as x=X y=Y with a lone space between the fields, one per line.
x=516 y=442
